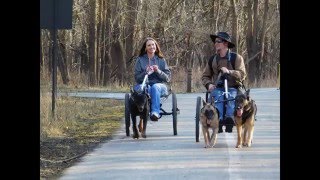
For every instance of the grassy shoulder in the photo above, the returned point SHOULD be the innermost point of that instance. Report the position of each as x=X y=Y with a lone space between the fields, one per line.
x=80 y=125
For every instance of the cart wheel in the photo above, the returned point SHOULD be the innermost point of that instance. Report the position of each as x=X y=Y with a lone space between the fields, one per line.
x=198 y=107
x=127 y=114
x=174 y=113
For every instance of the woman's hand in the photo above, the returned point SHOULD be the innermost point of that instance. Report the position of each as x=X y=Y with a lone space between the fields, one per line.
x=150 y=69
x=155 y=68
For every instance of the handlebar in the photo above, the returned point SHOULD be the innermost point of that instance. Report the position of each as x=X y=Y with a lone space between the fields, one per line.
x=226 y=93
x=226 y=88
x=144 y=81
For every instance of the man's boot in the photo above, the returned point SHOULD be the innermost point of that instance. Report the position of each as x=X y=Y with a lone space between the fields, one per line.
x=229 y=124
x=220 y=128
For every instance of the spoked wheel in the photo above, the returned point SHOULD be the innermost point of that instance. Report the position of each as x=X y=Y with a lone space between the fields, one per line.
x=198 y=107
x=127 y=114
x=174 y=113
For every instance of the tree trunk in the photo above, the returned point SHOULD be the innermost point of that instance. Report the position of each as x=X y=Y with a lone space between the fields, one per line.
x=84 y=60
x=251 y=41
x=62 y=56
x=102 y=42
x=50 y=52
x=262 y=40
x=116 y=51
x=144 y=25
x=41 y=49
x=211 y=16
x=131 y=17
x=217 y=17
x=99 y=38
x=107 y=59
x=92 y=42
x=234 y=37
x=158 y=31
x=224 y=26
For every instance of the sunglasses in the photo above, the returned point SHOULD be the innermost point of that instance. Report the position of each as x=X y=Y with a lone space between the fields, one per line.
x=218 y=41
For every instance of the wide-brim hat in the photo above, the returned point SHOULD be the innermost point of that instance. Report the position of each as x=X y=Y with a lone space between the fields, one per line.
x=223 y=35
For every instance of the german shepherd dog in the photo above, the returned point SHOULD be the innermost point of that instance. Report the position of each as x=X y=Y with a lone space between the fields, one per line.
x=244 y=115
x=209 y=117
x=139 y=106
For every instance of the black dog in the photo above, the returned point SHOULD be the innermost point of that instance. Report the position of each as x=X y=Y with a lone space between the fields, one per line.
x=139 y=106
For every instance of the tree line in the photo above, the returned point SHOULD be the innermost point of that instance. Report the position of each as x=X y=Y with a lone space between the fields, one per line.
x=108 y=34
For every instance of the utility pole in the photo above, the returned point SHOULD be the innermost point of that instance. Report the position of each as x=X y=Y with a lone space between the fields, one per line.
x=54 y=15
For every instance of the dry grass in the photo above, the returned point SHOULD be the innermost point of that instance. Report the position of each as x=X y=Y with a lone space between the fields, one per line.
x=80 y=125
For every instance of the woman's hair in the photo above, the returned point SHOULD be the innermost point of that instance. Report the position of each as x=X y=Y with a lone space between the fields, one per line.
x=143 y=49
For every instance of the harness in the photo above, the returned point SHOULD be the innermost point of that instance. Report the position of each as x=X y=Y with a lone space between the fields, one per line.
x=231 y=59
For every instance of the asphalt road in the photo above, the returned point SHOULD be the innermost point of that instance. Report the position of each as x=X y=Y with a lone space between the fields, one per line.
x=165 y=156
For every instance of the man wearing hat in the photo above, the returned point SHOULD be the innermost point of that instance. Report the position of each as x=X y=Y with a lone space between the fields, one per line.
x=231 y=66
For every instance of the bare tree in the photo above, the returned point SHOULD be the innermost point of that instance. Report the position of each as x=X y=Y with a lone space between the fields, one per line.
x=106 y=35
x=92 y=42
x=62 y=57
x=234 y=37
x=262 y=39
x=107 y=59
x=131 y=19
x=117 y=51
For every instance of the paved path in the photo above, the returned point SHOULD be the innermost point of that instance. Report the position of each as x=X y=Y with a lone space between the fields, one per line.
x=165 y=156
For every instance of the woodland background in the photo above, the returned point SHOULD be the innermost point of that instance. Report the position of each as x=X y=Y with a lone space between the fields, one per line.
x=100 y=49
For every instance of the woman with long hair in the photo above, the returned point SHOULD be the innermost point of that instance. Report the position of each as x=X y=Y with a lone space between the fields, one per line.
x=151 y=61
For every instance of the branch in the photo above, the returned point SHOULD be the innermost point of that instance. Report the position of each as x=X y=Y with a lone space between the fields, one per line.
x=63 y=160
x=253 y=57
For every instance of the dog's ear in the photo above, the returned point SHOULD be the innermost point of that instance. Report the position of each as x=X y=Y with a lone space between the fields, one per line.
x=203 y=102
x=212 y=102
x=247 y=93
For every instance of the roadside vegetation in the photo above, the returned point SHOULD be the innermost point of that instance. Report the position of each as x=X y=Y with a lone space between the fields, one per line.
x=80 y=125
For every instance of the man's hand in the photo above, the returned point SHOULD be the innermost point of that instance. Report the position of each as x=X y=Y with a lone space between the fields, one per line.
x=224 y=70
x=211 y=87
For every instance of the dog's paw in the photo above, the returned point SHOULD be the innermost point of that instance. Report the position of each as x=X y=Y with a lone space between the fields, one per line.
x=249 y=144
x=238 y=146
x=135 y=136
x=143 y=135
x=212 y=145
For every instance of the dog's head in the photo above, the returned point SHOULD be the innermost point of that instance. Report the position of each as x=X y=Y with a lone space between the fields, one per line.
x=139 y=98
x=209 y=112
x=241 y=102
